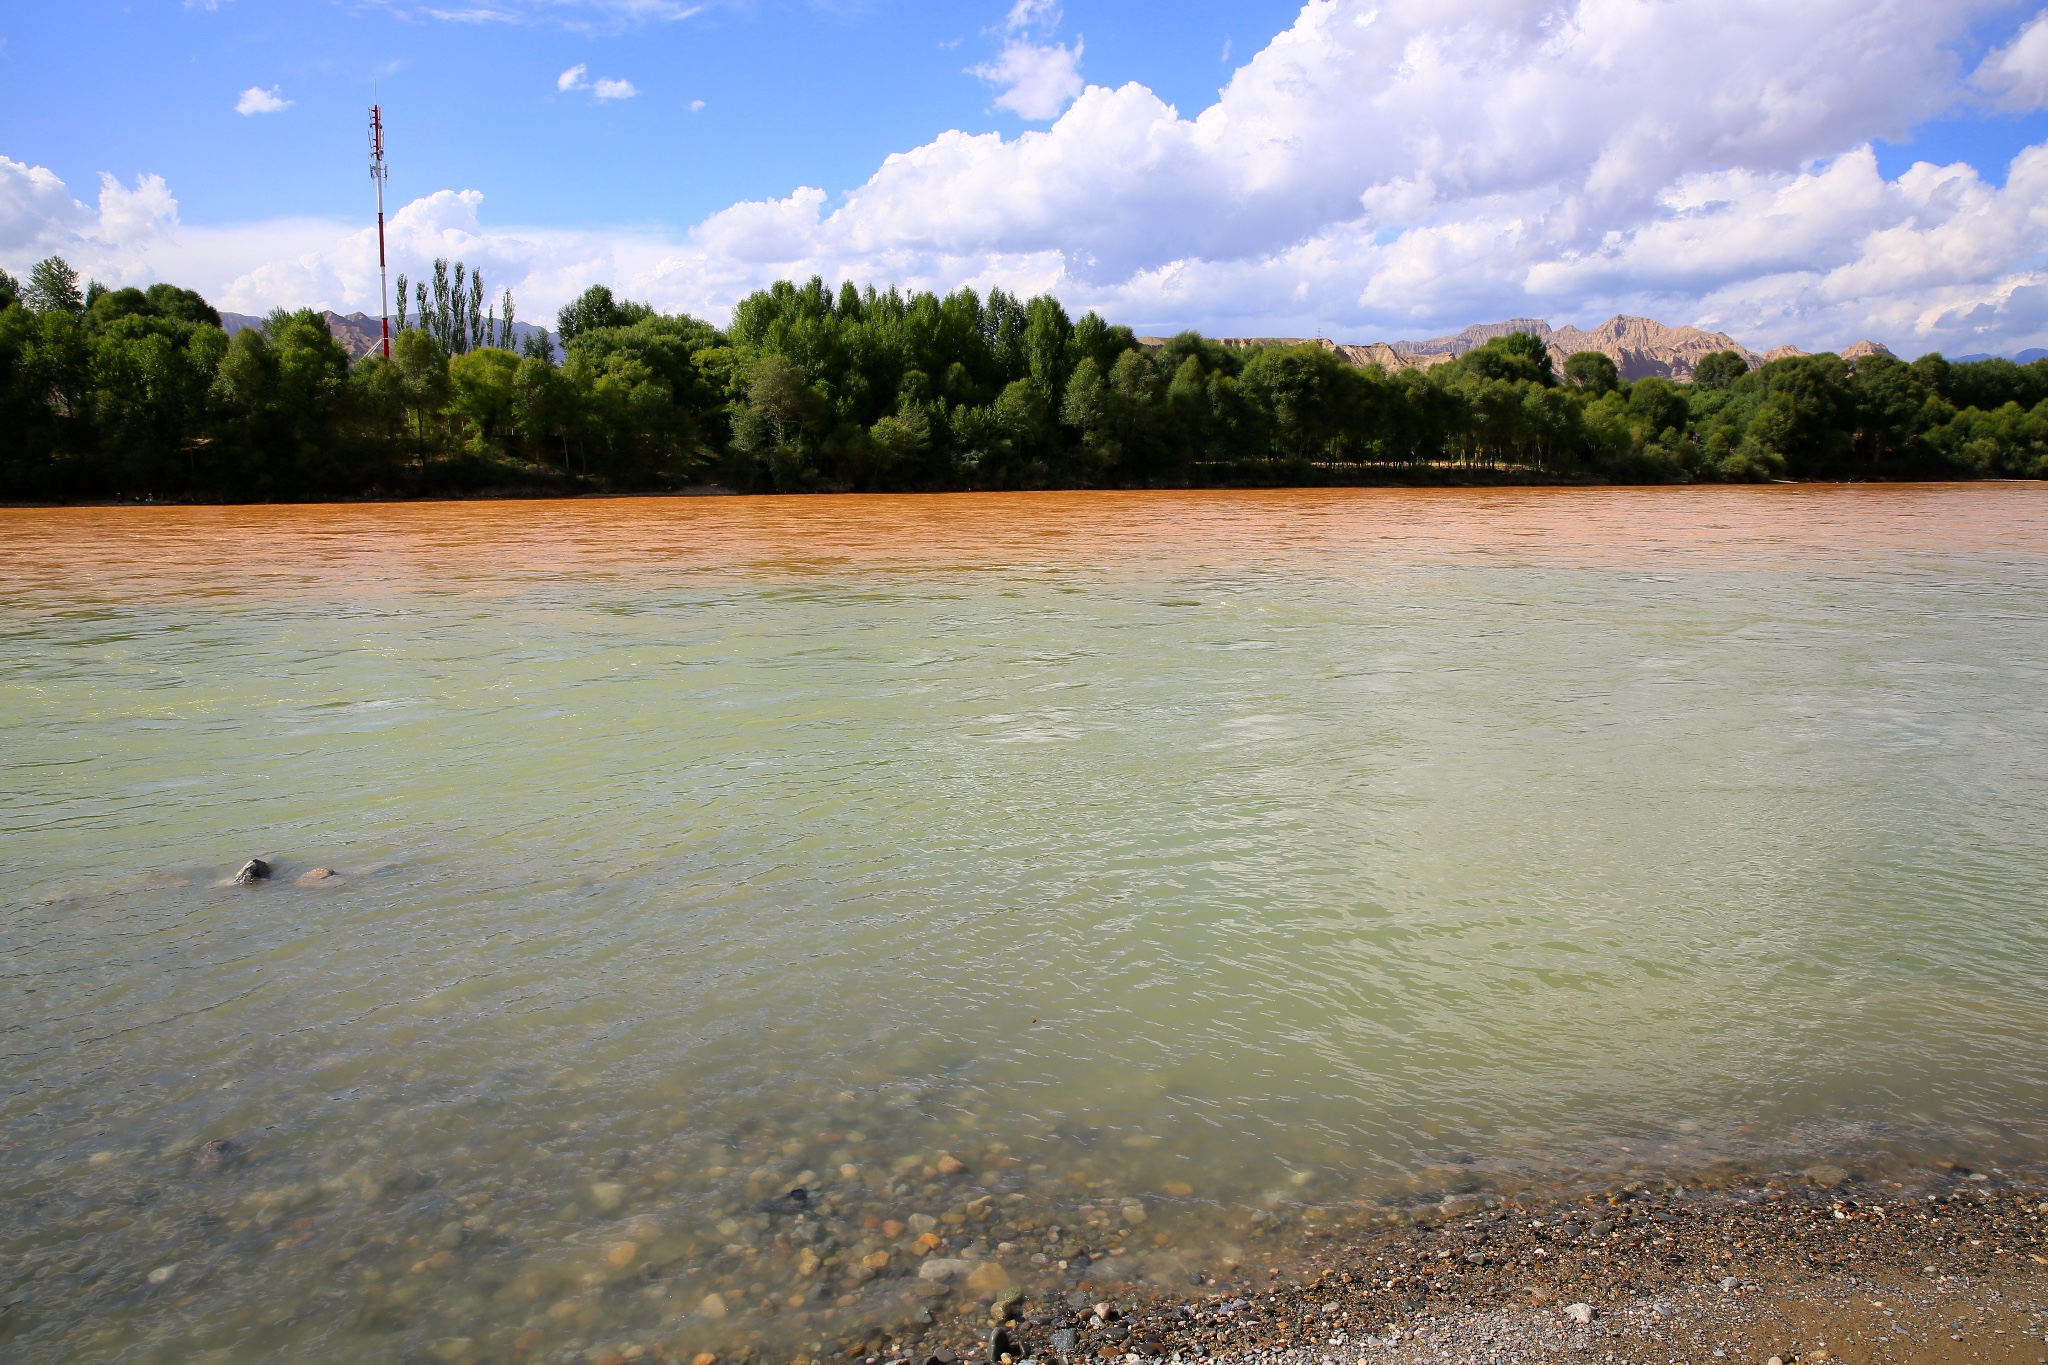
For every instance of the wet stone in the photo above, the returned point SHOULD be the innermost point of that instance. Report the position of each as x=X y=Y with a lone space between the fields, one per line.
x=219 y=1153
x=255 y=870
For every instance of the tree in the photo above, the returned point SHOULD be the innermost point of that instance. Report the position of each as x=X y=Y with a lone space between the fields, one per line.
x=781 y=418
x=1593 y=371
x=1720 y=370
x=1046 y=335
x=53 y=288
x=483 y=394
x=422 y=364
x=1516 y=357
x=544 y=404
x=596 y=308
x=10 y=291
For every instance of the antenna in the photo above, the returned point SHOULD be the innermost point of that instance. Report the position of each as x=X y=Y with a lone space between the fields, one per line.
x=379 y=172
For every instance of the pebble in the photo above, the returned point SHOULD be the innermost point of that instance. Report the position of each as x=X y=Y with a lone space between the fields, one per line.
x=163 y=1272
x=609 y=1195
x=1581 y=1313
x=949 y=1165
x=945 y=1269
x=712 y=1306
x=619 y=1255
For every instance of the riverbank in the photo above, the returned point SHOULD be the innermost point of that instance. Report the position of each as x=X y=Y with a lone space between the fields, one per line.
x=1805 y=1267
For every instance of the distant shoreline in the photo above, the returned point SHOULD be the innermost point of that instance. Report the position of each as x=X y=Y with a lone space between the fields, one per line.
x=720 y=491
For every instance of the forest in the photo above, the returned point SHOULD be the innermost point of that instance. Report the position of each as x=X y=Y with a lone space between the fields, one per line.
x=128 y=394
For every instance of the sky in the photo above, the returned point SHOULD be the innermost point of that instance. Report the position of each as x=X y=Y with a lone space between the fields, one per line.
x=1813 y=173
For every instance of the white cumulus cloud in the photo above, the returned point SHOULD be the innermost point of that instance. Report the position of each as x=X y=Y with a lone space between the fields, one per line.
x=2017 y=73
x=1034 y=81
x=257 y=100
x=1383 y=168
x=577 y=77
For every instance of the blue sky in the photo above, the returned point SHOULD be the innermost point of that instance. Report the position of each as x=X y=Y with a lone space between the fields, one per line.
x=792 y=94
x=1377 y=168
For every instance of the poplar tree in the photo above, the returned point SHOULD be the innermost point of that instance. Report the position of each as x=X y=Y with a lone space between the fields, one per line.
x=443 y=327
x=53 y=288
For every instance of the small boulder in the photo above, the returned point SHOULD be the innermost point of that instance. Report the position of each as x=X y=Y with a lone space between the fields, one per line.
x=318 y=875
x=255 y=870
x=987 y=1277
x=218 y=1153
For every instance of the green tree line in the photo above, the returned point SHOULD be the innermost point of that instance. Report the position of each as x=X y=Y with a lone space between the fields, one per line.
x=129 y=393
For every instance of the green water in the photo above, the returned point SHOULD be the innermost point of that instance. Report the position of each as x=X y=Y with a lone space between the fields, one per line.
x=1253 y=862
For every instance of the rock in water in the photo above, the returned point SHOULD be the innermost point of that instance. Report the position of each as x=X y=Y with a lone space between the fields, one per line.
x=944 y=1269
x=316 y=876
x=255 y=870
x=218 y=1153
x=797 y=1200
x=1001 y=1348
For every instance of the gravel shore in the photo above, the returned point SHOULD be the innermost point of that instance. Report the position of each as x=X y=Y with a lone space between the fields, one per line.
x=1812 y=1268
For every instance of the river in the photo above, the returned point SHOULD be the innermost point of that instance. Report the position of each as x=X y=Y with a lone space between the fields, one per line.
x=1084 y=887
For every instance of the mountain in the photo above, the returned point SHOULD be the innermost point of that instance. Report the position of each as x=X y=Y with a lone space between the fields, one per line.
x=362 y=335
x=1472 y=338
x=2026 y=357
x=1642 y=347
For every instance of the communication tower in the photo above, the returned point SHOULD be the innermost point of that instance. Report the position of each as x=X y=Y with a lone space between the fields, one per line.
x=379 y=172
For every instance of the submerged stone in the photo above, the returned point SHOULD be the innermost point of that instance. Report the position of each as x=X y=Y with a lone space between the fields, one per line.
x=218 y=1152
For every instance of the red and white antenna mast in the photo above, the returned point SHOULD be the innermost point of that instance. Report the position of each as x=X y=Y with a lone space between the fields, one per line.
x=379 y=172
